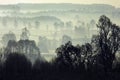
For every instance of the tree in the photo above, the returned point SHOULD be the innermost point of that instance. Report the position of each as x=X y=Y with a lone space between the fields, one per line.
x=92 y=23
x=69 y=24
x=17 y=64
x=11 y=47
x=37 y=24
x=7 y=37
x=56 y=25
x=68 y=55
x=25 y=34
x=65 y=39
x=41 y=66
x=86 y=54
x=43 y=44
x=108 y=41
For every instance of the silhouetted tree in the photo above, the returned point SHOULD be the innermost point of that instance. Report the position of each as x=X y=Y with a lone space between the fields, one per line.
x=11 y=47
x=41 y=66
x=17 y=66
x=17 y=63
x=86 y=54
x=1 y=70
x=7 y=37
x=107 y=41
x=68 y=55
x=26 y=47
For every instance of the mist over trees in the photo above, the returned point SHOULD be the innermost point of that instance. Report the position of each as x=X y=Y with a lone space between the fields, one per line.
x=108 y=41
x=43 y=44
x=25 y=34
x=95 y=60
x=7 y=37
x=26 y=47
x=65 y=39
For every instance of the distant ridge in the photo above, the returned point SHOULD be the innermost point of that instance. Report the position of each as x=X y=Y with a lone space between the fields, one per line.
x=85 y=8
x=55 y=6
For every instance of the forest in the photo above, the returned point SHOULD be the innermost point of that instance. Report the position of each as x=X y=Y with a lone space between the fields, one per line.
x=97 y=60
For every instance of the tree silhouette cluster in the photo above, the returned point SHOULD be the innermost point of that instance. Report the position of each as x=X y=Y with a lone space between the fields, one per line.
x=91 y=61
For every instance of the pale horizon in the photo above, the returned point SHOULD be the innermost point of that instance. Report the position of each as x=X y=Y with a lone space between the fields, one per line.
x=115 y=3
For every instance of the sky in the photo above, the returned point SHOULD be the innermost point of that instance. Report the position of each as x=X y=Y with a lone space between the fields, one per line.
x=115 y=3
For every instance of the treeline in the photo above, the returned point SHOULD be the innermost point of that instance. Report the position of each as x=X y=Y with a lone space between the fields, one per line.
x=97 y=60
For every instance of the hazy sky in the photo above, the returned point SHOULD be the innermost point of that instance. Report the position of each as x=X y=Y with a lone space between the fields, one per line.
x=112 y=2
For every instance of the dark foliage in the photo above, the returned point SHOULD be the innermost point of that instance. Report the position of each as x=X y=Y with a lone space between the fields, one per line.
x=91 y=61
x=17 y=67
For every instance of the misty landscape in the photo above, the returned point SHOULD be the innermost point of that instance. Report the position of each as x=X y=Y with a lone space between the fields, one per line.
x=59 y=42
